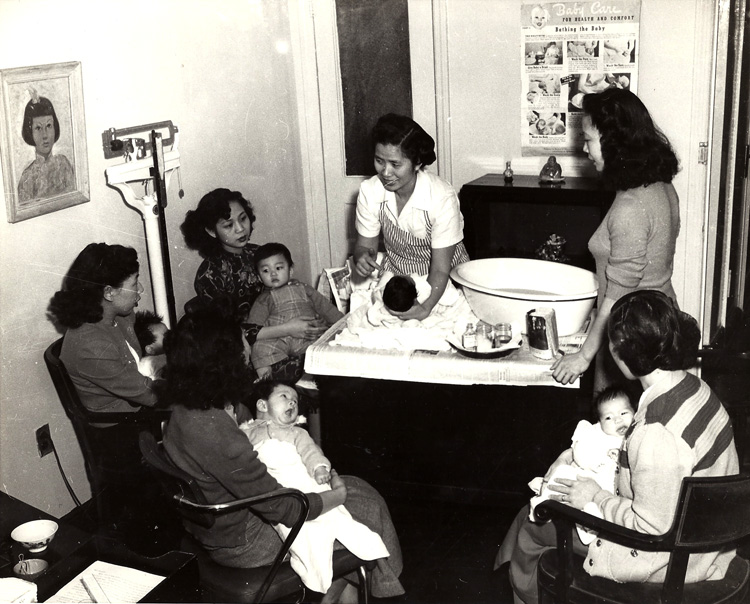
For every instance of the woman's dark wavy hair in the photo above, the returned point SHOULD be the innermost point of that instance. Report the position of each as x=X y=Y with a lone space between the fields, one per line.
x=205 y=359
x=98 y=265
x=213 y=207
x=402 y=131
x=635 y=152
x=38 y=107
x=647 y=331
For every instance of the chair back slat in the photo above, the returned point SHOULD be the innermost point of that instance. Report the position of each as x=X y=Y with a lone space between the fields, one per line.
x=174 y=482
x=716 y=511
x=71 y=402
x=66 y=390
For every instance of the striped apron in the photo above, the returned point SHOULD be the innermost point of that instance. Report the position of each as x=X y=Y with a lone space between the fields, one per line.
x=406 y=253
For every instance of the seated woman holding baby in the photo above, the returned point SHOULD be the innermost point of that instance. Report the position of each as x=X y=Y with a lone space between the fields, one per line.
x=100 y=350
x=220 y=229
x=206 y=383
x=101 y=354
x=680 y=429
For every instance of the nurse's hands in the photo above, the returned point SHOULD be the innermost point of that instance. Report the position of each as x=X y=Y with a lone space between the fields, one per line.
x=365 y=261
x=568 y=368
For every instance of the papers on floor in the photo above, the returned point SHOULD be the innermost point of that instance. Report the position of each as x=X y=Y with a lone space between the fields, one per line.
x=115 y=584
x=17 y=590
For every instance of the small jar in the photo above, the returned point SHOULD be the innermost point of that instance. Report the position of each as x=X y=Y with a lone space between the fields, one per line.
x=469 y=339
x=484 y=337
x=502 y=334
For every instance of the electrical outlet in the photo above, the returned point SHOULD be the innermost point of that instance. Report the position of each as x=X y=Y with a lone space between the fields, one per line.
x=44 y=440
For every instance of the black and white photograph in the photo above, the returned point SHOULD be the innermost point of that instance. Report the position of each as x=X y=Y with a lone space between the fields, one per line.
x=386 y=301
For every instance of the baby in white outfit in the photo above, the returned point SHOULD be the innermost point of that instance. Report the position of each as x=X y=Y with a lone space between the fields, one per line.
x=594 y=453
x=295 y=461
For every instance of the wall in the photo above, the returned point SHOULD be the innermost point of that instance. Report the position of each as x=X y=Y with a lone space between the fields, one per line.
x=483 y=64
x=222 y=73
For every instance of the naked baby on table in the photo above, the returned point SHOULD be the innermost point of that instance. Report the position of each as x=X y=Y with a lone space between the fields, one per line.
x=372 y=325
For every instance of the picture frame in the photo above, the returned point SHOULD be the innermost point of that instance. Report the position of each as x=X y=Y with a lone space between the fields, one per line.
x=43 y=150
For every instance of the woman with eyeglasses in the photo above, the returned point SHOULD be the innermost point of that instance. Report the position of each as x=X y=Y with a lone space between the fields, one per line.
x=100 y=349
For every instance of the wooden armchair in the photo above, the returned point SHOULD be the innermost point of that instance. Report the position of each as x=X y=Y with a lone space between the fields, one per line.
x=712 y=514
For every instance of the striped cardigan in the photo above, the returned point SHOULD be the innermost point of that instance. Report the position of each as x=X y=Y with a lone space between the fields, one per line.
x=680 y=429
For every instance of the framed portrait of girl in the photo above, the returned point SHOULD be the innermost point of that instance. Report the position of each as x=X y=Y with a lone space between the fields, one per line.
x=42 y=139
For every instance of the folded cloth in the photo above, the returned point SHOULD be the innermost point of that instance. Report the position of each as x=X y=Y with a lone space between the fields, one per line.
x=312 y=550
x=586 y=535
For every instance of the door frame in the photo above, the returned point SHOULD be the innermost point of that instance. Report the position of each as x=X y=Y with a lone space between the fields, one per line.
x=302 y=42
x=430 y=97
x=718 y=281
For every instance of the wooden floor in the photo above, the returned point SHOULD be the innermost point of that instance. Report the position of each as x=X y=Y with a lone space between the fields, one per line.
x=448 y=548
x=449 y=551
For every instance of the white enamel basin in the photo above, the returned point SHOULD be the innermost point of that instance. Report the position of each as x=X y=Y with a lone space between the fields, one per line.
x=503 y=290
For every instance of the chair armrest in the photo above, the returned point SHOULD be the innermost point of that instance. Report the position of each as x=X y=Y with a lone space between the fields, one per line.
x=559 y=512
x=246 y=502
x=249 y=502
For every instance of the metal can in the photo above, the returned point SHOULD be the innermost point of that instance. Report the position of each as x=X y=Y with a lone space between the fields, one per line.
x=541 y=328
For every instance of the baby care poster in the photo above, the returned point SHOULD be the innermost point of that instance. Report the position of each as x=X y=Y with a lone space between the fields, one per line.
x=571 y=49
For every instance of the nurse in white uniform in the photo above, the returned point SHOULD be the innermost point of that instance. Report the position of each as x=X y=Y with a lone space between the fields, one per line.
x=416 y=211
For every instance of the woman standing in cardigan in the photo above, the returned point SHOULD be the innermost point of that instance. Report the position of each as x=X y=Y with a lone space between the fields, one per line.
x=634 y=245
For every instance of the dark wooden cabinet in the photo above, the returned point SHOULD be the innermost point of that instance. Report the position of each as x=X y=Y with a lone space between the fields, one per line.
x=515 y=219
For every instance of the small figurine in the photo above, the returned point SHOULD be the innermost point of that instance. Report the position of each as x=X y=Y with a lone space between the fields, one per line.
x=553 y=249
x=551 y=171
x=508 y=174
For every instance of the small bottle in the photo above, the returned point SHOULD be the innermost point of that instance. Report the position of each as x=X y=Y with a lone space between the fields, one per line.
x=508 y=174
x=469 y=339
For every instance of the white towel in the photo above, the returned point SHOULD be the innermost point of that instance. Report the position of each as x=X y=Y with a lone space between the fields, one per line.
x=372 y=326
x=312 y=550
